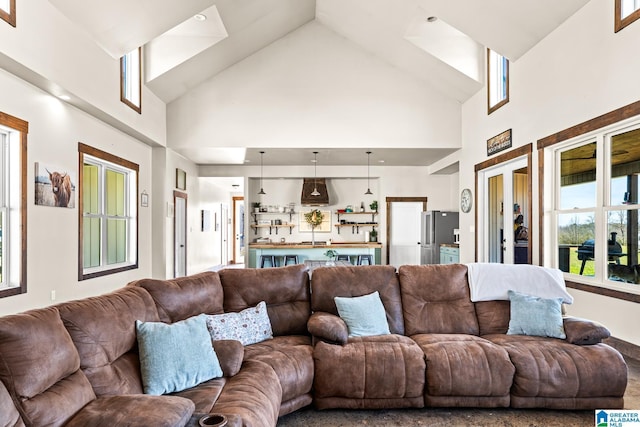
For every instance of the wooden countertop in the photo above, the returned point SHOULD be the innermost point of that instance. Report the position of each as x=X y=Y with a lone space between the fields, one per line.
x=450 y=245
x=333 y=245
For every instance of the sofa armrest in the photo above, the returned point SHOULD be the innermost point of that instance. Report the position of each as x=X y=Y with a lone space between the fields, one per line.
x=583 y=331
x=134 y=410
x=230 y=355
x=329 y=327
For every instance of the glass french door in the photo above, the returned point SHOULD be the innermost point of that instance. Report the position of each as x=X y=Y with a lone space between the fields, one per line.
x=503 y=198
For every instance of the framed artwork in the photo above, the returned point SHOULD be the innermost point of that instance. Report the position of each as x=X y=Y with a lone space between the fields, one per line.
x=181 y=179
x=54 y=186
x=498 y=143
x=324 y=227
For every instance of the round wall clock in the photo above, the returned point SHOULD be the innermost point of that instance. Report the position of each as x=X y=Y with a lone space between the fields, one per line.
x=466 y=200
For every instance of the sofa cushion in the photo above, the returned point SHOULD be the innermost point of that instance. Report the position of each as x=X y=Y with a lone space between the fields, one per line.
x=134 y=411
x=40 y=367
x=254 y=394
x=9 y=415
x=103 y=328
x=249 y=326
x=436 y=300
x=284 y=289
x=364 y=316
x=230 y=355
x=355 y=281
x=369 y=372
x=184 y=297
x=532 y=315
x=468 y=368
x=291 y=358
x=583 y=331
x=553 y=373
x=493 y=316
x=176 y=356
x=328 y=327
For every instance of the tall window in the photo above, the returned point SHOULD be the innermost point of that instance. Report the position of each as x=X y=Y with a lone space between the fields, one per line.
x=597 y=208
x=108 y=219
x=131 y=79
x=13 y=209
x=8 y=11
x=497 y=80
x=626 y=12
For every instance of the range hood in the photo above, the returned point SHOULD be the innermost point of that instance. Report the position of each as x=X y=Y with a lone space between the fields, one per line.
x=308 y=185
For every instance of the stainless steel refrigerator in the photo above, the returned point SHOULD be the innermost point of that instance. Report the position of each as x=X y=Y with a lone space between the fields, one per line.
x=437 y=228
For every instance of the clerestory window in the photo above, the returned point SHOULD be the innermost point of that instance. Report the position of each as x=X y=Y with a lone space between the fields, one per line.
x=497 y=80
x=8 y=11
x=131 y=79
x=626 y=12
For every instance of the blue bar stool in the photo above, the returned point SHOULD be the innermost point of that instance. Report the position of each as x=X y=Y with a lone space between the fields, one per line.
x=363 y=258
x=343 y=258
x=288 y=258
x=270 y=258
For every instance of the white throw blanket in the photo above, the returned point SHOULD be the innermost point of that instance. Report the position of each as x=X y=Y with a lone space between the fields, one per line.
x=490 y=281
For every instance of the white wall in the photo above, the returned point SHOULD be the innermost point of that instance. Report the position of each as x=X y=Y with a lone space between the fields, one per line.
x=313 y=88
x=48 y=50
x=580 y=71
x=55 y=129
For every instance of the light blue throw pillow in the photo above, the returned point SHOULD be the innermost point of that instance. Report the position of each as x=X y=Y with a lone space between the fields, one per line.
x=177 y=356
x=535 y=316
x=364 y=316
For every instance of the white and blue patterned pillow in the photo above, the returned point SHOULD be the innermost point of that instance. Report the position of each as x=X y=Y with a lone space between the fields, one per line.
x=249 y=326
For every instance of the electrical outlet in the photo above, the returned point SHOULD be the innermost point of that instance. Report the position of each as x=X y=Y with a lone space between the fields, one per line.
x=53 y=295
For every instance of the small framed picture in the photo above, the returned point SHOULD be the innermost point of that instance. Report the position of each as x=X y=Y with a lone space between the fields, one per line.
x=181 y=179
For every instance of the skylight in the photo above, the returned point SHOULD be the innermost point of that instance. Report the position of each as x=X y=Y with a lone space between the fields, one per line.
x=183 y=41
x=447 y=43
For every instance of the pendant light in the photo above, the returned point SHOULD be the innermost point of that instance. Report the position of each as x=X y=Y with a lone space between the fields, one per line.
x=315 y=191
x=368 y=176
x=261 y=190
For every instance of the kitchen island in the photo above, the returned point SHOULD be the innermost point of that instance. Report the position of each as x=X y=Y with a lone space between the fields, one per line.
x=307 y=251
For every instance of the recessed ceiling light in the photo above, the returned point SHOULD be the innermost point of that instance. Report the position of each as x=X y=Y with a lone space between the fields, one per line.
x=200 y=17
x=64 y=97
x=432 y=19
x=380 y=161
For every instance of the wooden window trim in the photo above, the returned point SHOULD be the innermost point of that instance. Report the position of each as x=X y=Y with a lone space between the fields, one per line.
x=620 y=22
x=9 y=17
x=491 y=109
x=103 y=155
x=123 y=98
x=22 y=127
x=599 y=122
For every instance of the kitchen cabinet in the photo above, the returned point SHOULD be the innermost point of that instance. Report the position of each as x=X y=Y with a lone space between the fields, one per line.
x=449 y=254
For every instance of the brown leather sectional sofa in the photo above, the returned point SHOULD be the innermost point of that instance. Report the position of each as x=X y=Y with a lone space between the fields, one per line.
x=76 y=363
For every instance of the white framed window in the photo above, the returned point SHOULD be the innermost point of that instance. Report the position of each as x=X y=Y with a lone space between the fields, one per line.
x=497 y=80
x=626 y=12
x=131 y=79
x=596 y=207
x=109 y=220
x=8 y=11
x=13 y=209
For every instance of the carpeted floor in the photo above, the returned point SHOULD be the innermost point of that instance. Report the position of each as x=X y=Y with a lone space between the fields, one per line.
x=449 y=417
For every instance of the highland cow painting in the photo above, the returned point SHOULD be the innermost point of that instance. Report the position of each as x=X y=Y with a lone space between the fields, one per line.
x=54 y=187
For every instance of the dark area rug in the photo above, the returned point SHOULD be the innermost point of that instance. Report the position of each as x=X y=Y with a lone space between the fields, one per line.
x=449 y=417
